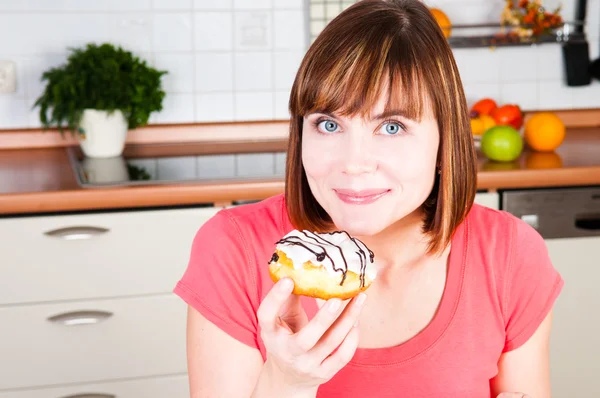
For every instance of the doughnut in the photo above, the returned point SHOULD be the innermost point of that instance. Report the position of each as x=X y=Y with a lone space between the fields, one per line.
x=323 y=265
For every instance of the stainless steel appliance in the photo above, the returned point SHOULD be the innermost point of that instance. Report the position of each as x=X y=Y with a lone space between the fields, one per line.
x=569 y=221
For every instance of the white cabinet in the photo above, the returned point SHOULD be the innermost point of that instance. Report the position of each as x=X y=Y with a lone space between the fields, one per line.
x=155 y=387
x=575 y=341
x=86 y=303
x=67 y=257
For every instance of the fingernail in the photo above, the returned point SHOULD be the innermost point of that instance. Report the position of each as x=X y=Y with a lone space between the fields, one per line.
x=361 y=299
x=334 y=305
x=286 y=285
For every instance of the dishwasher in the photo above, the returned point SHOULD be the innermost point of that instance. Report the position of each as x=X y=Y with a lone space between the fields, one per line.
x=569 y=221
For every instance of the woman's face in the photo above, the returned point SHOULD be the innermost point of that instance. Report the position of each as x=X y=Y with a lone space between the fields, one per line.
x=369 y=173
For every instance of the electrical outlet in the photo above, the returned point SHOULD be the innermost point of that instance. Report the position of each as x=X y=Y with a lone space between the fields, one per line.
x=8 y=77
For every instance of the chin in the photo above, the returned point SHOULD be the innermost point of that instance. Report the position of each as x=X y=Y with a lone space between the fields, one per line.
x=359 y=227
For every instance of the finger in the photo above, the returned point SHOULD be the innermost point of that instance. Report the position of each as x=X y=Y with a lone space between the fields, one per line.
x=293 y=314
x=344 y=353
x=310 y=334
x=334 y=336
x=268 y=311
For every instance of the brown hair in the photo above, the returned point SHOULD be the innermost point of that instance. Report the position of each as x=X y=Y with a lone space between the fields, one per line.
x=395 y=44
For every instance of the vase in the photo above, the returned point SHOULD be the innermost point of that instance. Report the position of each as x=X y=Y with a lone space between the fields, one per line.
x=102 y=134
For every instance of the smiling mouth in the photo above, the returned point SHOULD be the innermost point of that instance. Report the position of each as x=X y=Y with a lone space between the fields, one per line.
x=360 y=197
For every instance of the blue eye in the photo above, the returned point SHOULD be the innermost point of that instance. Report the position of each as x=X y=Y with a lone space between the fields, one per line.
x=328 y=126
x=391 y=128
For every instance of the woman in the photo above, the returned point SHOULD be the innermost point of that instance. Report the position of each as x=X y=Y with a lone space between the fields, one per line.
x=379 y=146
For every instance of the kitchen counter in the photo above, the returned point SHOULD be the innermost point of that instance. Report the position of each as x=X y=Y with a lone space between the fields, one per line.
x=42 y=180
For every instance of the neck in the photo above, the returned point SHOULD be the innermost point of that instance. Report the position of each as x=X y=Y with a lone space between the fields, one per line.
x=400 y=246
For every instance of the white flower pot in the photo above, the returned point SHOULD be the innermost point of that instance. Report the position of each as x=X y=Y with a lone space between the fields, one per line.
x=102 y=135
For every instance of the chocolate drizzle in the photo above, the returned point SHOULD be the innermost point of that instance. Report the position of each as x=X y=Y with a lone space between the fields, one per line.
x=316 y=244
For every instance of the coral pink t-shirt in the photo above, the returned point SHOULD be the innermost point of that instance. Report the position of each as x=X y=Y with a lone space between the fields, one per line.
x=500 y=286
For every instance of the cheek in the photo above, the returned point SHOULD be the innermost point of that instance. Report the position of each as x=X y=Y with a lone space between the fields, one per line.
x=413 y=163
x=316 y=159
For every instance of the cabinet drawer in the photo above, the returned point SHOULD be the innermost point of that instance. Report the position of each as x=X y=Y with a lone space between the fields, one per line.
x=144 y=336
x=95 y=255
x=159 y=387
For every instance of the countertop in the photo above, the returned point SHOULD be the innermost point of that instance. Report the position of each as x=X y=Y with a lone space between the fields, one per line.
x=42 y=180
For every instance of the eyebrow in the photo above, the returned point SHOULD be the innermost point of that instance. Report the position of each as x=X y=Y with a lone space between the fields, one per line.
x=383 y=115
x=392 y=112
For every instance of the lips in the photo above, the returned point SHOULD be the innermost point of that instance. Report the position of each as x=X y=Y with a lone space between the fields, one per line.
x=362 y=197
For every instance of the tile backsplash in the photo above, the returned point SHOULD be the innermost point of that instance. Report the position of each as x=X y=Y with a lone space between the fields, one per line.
x=228 y=60
x=235 y=60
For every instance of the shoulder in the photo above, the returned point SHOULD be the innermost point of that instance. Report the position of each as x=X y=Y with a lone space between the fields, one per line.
x=500 y=231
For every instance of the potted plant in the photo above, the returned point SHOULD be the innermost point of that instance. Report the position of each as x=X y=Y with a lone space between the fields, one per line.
x=99 y=94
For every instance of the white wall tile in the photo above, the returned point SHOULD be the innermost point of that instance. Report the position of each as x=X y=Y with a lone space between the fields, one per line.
x=478 y=65
x=180 y=68
x=586 y=96
x=288 y=4
x=38 y=34
x=73 y=5
x=36 y=66
x=518 y=63
x=252 y=4
x=14 y=113
x=253 y=71
x=524 y=94
x=214 y=72
x=286 y=67
x=177 y=168
x=213 y=4
x=215 y=166
x=172 y=32
x=280 y=159
x=132 y=31
x=553 y=94
x=593 y=19
x=214 y=107
x=476 y=91
x=172 y=4
x=213 y=31
x=253 y=30
x=254 y=106
x=177 y=108
x=282 y=99
x=549 y=62
x=255 y=165
x=289 y=29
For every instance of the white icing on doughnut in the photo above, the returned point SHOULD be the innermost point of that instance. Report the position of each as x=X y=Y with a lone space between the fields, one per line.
x=337 y=252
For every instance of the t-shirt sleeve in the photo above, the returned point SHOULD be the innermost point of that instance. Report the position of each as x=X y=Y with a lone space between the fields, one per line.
x=532 y=285
x=220 y=280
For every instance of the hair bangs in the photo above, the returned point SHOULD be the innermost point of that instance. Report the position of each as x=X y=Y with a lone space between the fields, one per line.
x=353 y=83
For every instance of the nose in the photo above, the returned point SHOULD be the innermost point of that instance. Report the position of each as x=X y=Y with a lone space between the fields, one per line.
x=358 y=157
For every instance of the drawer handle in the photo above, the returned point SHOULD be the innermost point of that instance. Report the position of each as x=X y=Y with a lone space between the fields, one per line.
x=80 y=317
x=76 y=233
x=91 y=396
x=590 y=222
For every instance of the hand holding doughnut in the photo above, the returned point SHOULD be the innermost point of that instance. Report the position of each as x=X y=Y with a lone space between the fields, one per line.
x=303 y=354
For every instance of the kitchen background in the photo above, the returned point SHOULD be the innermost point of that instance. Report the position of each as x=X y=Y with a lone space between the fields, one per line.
x=235 y=60
x=72 y=255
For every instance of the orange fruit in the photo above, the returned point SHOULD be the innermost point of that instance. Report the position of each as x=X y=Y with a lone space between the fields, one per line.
x=544 y=132
x=481 y=123
x=442 y=20
x=543 y=160
x=484 y=106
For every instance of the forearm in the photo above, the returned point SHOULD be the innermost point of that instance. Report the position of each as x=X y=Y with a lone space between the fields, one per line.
x=271 y=384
